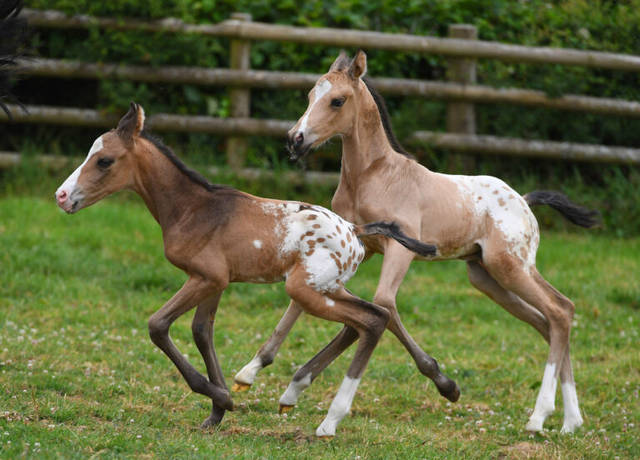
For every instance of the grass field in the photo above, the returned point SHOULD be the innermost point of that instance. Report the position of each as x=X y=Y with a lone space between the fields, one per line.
x=81 y=379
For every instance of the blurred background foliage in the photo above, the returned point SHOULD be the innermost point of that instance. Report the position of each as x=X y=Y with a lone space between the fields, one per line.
x=582 y=24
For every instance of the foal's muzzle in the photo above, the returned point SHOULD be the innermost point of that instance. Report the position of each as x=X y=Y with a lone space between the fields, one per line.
x=296 y=146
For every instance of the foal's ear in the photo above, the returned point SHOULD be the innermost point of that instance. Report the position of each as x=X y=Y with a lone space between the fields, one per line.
x=358 y=67
x=132 y=123
x=341 y=62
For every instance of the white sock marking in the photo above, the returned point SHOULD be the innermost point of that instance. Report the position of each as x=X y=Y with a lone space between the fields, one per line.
x=340 y=407
x=572 y=417
x=545 y=404
x=291 y=394
x=248 y=373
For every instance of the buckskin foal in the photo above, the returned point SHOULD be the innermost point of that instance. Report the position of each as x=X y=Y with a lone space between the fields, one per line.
x=218 y=235
x=479 y=219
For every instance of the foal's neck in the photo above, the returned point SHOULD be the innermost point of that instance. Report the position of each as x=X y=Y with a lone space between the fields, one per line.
x=166 y=191
x=367 y=143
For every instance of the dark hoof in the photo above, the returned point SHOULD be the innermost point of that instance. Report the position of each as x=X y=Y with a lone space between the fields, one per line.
x=213 y=420
x=450 y=390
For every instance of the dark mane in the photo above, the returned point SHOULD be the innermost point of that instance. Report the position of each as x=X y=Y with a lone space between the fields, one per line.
x=194 y=176
x=13 y=31
x=386 y=121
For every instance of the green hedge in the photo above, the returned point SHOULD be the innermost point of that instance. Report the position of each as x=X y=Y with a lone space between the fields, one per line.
x=582 y=24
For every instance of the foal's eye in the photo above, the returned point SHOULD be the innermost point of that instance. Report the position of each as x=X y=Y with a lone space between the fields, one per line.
x=337 y=102
x=104 y=163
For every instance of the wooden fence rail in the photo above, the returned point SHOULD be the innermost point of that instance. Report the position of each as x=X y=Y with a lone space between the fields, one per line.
x=493 y=145
x=159 y=121
x=291 y=80
x=277 y=128
x=460 y=91
x=241 y=29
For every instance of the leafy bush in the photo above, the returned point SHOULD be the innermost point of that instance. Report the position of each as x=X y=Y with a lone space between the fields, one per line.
x=583 y=24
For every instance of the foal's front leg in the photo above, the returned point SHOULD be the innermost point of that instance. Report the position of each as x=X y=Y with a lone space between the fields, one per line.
x=194 y=291
x=395 y=264
x=202 y=329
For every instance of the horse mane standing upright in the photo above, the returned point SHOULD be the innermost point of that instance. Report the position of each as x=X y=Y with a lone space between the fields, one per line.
x=478 y=219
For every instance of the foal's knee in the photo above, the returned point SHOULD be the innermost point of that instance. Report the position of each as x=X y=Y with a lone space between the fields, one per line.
x=385 y=300
x=158 y=329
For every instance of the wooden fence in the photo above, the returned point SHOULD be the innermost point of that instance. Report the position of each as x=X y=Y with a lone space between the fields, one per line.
x=460 y=91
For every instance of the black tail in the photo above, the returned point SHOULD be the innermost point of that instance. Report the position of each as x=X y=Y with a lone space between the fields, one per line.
x=13 y=31
x=576 y=214
x=392 y=230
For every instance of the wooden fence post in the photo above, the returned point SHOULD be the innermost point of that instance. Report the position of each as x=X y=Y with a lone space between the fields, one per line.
x=461 y=116
x=240 y=99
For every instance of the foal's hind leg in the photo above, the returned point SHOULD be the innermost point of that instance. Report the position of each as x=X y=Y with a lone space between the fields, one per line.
x=394 y=268
x=307 y=373
x=572 y=416
x=534 y=291
x=367 y=319
x=267 y=352
x=525 y=312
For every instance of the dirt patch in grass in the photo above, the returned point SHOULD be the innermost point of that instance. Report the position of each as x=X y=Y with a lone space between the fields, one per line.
x=524 y=450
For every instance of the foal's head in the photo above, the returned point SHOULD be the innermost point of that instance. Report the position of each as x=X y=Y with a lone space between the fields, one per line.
x=109 y=166
x=333 y=105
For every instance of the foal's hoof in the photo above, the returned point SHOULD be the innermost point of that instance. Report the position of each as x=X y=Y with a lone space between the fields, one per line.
x=325 y=437
x=450 y=390
x=212 y=420
x=284 y=408
x=239 y=387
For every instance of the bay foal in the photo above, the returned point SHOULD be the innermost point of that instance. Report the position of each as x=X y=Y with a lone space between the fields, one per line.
x=218 y=235
x=478 y=219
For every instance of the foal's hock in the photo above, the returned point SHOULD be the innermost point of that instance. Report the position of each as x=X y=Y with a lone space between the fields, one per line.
x=218 y=235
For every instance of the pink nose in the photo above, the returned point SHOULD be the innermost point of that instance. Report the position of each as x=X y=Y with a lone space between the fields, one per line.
x=61 y=197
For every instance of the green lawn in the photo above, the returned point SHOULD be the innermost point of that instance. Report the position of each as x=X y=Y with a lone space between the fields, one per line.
x=79 y=376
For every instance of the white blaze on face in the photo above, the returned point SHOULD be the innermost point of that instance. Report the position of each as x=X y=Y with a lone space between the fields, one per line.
x=69 y=185
x=322 y=88
x=257 y=244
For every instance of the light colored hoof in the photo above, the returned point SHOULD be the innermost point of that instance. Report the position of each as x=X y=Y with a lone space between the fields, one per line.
x=534 y=425
x=284 y=408
x=569 y=426
x=239 y=387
